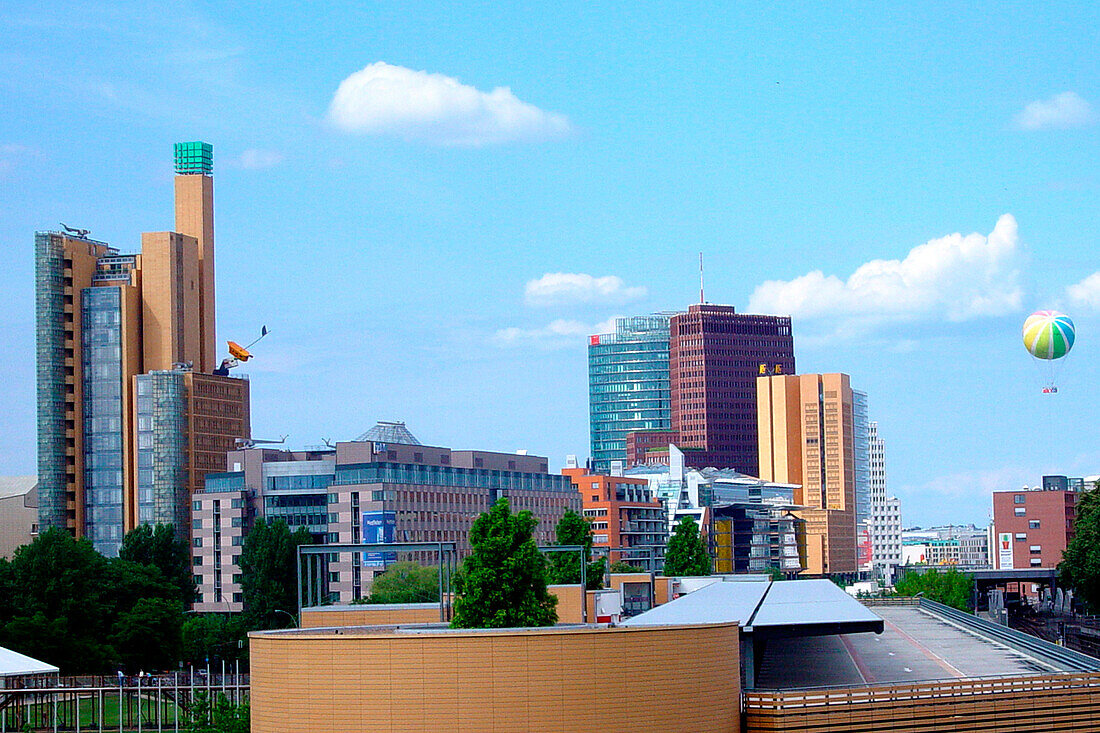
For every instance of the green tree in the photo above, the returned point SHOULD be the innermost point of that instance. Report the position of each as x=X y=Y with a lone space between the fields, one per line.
x=60 y=607
x=404 y=582
x=214 y=636
x=216 y=716
x=1080 y=566
x=624 y=567
x=502 y=582
x=269 y=566
x=160 y=547
x=147 y=636
x=565 y=567
x=687 y=552
x=950 y=588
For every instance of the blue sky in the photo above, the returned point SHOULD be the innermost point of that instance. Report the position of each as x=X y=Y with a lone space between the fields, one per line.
x=388 y=232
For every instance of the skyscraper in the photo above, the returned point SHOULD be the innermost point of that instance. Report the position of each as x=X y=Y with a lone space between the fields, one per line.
x=628 y=387
x=715 y=356
x=808 y=437
x=885 y=510
x=116 y=445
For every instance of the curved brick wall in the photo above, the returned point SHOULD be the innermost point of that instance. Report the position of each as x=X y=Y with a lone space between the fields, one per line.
x=671 y=678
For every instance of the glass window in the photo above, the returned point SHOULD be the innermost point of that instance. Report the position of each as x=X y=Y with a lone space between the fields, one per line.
x=1019 y=499
x=1033 y=524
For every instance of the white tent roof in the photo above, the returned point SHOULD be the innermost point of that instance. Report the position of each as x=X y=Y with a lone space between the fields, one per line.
x=14 y=664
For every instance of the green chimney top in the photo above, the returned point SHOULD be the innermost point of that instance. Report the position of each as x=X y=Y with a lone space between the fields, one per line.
x=195 y=158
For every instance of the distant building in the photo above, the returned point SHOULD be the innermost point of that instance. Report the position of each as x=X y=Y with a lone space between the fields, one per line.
x=885 y=510
x=963 y=546
x=628 y=387
x=363 y=491
x=107 y=325
x=808 y=438
x=628 y=523
x=749 y=523
x=1033 y=527
x=18 y=512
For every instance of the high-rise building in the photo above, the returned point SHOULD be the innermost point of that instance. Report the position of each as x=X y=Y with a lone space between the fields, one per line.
x=715 y=356
x=628 y=387
x=366 y=490
x=861 y=466
x=885 y=510
x=128 y=411
x=807 y=437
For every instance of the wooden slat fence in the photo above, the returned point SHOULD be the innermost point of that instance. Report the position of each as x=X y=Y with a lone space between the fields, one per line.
x=1057 y=702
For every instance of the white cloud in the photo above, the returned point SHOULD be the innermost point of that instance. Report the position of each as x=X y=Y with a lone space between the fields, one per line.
x=1086 y=294
x=383 y=99
x=256 y=159
x=1061 y=111
x=565 y=288
x=557 y=334
x=957 y=277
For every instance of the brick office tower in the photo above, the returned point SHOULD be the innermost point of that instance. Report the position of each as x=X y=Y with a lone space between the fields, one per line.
x=129 y=416
x=715 y=357
x=1037 y=524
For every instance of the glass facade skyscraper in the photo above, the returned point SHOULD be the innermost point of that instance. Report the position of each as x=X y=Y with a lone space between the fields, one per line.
x=628 y=384
x=101 y=315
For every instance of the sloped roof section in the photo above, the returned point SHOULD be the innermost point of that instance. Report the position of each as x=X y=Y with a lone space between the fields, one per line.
x=388 y=432
x=14 y=664
x=16 y=485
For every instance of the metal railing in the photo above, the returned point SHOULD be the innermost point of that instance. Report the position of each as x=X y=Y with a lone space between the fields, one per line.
x=1058 y=656
x=104 y=703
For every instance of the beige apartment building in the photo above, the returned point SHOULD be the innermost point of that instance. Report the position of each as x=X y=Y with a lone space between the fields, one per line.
x=130 y=415
x=807 y=437
x=18 y=512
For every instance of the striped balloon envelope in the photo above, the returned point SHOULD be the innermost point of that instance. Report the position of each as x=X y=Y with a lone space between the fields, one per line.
x=1048 y=334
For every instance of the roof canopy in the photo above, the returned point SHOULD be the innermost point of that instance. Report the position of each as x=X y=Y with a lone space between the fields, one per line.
x=768 y=609
x=14 y=664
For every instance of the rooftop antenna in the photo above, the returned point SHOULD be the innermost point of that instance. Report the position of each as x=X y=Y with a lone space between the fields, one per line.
x=701 y=300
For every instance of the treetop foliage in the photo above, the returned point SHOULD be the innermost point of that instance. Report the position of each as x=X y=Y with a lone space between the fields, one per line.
x=687 y=551
x=405 y=582
x=502 y=582
x=162 y=548
x=565 y=567
x=950 y=588
x=269 y=568
x=1080 y=566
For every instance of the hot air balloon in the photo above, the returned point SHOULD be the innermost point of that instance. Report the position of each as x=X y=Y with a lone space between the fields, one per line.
x=1049 y=336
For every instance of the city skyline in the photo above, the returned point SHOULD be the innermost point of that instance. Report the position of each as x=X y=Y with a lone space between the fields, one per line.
x=454 y=285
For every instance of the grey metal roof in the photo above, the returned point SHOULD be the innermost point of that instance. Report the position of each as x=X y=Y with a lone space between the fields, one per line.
x=716 y=603
x=388 y=432
x=13 y=664
x=793 y=602
x=789 y=607
x=16 y=485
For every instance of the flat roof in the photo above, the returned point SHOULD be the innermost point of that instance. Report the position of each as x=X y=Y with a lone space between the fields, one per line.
x=767 y=608
x=914 y=646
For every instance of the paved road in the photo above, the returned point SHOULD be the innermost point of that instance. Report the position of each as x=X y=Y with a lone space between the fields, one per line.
x=914 y=646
